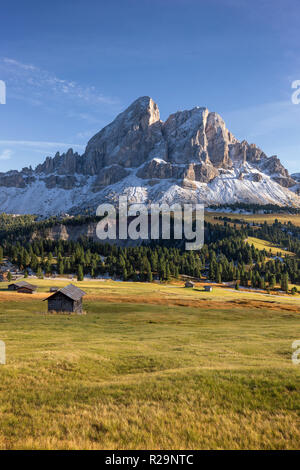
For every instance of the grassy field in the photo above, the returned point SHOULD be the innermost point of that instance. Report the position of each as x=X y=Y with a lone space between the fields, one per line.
x=257 y=218
x=150 y=366
x=268 y=246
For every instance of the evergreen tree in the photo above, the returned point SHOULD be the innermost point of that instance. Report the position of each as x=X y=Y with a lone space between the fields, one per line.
x=39 y=273
x=61 y=267
x=284 y=283
x=149 y=275
x=80 y=273
x=272 y=281
x=176 y=272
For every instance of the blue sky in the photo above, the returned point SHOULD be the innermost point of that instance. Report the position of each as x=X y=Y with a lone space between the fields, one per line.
x=71 y=66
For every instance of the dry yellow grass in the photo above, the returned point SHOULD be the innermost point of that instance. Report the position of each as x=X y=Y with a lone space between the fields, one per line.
x=212 y=373
x=257 y=218
x=268 y=246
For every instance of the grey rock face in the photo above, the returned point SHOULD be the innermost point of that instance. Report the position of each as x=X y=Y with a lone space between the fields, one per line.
x=15 y=179
x=138 y=135
x=197 y=135
x=184 y=133
x=67 y=182
x=296 y=177
x=65 y=164
x=273 y=166
x=256 y=177
x=286 y=182
x=244 y=152
x=190 y=147
x=161 y=170
x=131 y=139
x=109 y=176
x=194 y=137
x=203 y=172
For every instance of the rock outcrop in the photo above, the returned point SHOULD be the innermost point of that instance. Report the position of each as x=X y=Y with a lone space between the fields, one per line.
x=109 y=176
x=132 y=138
x=15 y=179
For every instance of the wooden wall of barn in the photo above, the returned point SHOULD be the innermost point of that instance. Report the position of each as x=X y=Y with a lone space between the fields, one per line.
x=61 y=303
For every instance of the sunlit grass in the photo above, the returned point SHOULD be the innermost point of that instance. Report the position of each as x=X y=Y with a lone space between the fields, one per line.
x=268 y=246
x=258 y=218
x=137 y=375
x=148 y=292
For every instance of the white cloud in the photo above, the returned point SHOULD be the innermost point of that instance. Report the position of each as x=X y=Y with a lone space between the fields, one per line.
x=41 y=144
x=41 y=87
x=13 y=62
x=6 y=154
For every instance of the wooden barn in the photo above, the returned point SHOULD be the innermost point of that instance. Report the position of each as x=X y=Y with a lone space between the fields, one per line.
x=67 y=299
x=22 y=287
x=53 y=289
x=189 y=284
x=208 y=288
x=3 y=276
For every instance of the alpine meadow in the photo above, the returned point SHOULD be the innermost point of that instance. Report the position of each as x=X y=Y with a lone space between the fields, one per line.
x=150 y=230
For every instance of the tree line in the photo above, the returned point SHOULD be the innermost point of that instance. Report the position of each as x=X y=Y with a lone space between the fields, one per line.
x=225 y=257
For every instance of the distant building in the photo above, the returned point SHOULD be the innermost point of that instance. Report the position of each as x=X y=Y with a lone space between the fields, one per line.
x=67 y=299
x=53 y=289
x=189 y=284
x=208 y=288
x=3 y=276
x=22 y=287
x=27 y=289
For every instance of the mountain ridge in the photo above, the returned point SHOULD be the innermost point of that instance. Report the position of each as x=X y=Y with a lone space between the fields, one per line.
x=190 y=157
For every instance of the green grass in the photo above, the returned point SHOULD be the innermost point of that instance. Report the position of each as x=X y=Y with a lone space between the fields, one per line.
x=145 y=291
x=256 y=218
x=130 y=376
x=268 y=246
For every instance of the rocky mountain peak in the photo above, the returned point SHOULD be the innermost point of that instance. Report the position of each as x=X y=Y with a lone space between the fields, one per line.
x=192 y=156
x=133 y=137
x=145 y=110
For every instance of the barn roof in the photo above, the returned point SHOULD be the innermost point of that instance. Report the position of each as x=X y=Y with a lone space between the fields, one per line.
x=191 y=283
x=23 y=284
x=70 y=291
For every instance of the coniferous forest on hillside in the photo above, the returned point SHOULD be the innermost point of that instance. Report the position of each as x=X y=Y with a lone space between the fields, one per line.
x=227 y=255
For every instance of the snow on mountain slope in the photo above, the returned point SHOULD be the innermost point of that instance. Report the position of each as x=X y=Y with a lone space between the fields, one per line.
x=191 y=157
x=224 y=189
